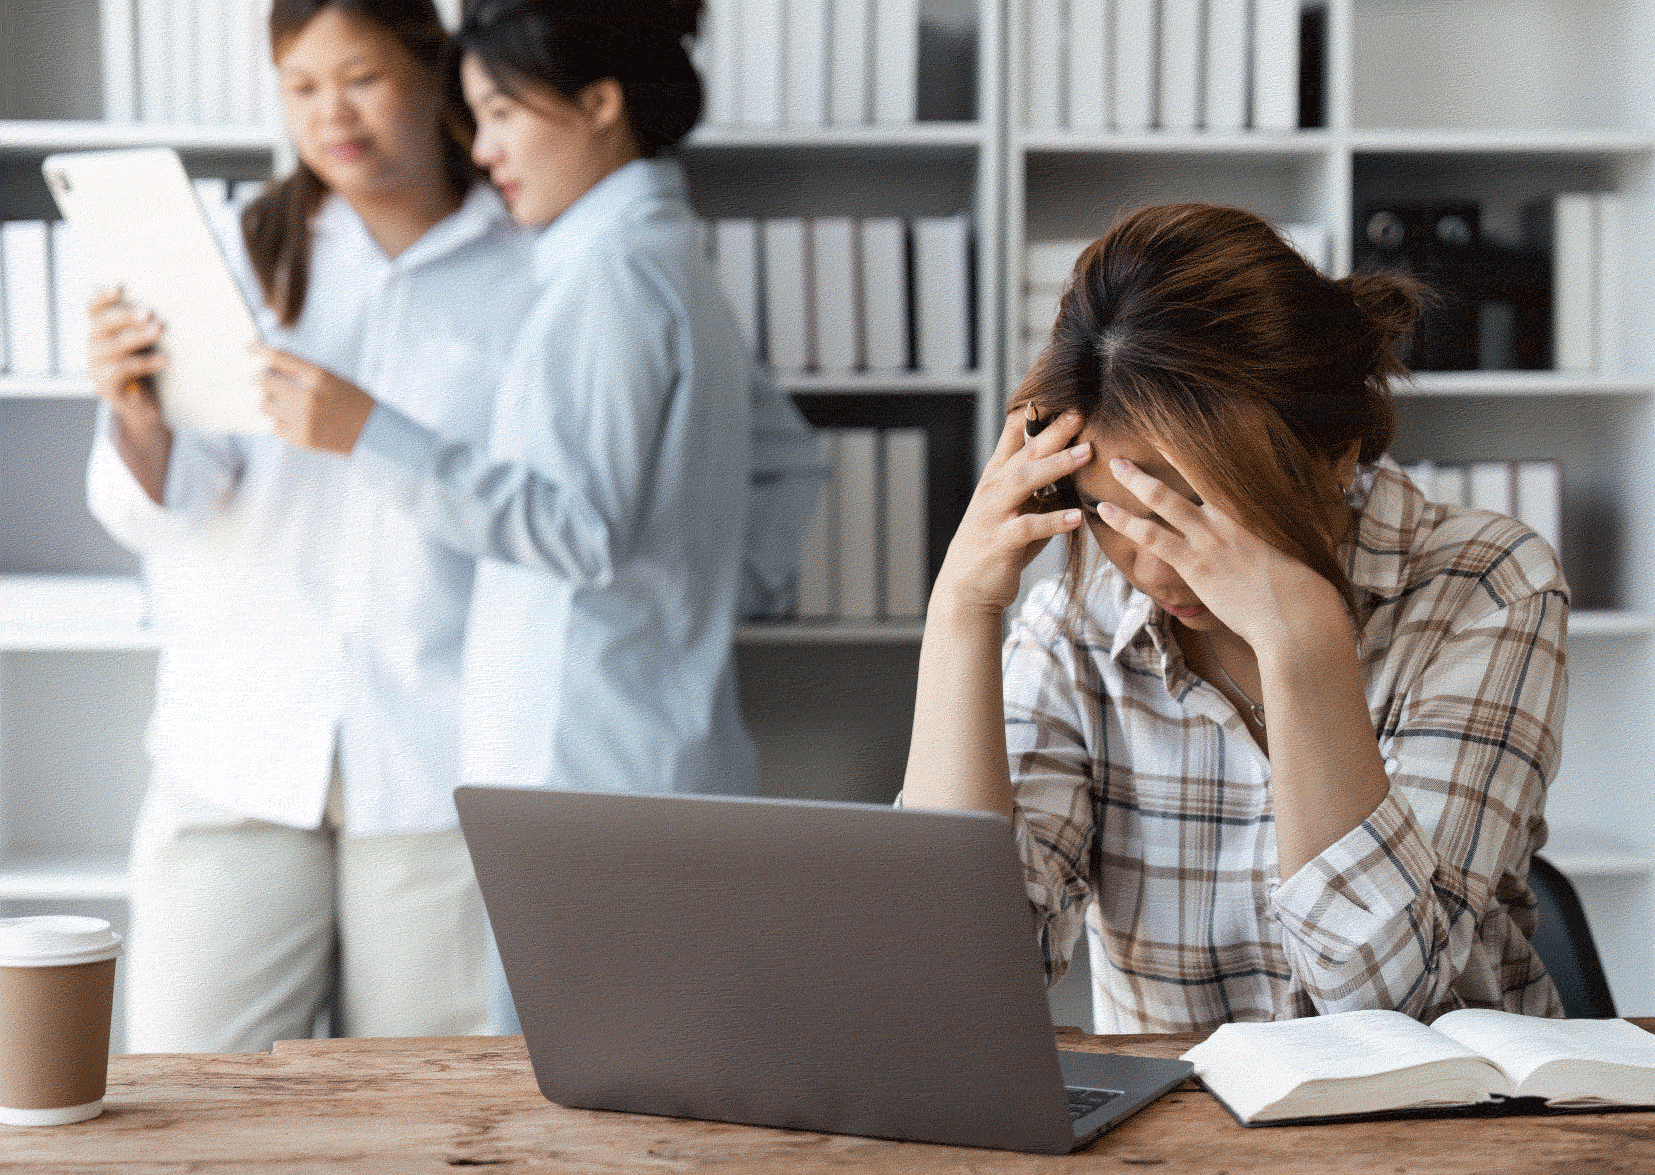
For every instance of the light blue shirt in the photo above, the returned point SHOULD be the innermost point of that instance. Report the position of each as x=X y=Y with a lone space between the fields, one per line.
x=611 y=507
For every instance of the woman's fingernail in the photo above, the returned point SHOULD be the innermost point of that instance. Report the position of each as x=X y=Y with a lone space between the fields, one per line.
x=1081 y=449
x=1071 y=517
x=1107 y=510
x=1121 y=465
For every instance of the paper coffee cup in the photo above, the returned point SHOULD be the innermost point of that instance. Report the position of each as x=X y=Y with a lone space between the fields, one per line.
x=57 y=989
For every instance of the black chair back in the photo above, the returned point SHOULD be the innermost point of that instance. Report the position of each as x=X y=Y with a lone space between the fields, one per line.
x=1564 y=943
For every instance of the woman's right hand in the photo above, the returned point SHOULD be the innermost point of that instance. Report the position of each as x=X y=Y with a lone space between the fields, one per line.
x=1003 y=530
x=122 y=355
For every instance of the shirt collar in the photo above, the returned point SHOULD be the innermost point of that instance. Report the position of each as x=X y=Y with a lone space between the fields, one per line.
x=481 y=210
x=615 y=198
x=1376 y=556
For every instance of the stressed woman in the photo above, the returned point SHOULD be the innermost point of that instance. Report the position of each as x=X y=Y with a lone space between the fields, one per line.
x=1283 y=748
x=610 y=503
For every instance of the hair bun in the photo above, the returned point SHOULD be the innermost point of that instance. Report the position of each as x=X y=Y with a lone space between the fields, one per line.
x=683 y=16
x=1391 y=301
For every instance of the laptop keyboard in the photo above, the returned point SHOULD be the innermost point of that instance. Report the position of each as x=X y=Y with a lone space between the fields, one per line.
x=1084 y=1101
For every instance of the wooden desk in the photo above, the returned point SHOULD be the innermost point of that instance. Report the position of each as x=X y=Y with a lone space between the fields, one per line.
x=408 y=1107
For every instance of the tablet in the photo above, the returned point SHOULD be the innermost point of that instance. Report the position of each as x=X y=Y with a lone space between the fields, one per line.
x=141 y=225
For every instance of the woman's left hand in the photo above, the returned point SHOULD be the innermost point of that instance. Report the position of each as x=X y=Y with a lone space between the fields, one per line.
x=1257 y=591
x=309 y=405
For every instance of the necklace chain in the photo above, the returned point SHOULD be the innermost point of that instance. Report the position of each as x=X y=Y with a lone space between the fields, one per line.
x=1256 y=707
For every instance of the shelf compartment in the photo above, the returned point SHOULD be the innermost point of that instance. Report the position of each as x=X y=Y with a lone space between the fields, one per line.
x=875 y=383
x=1524 y=383
x=43 y=136
x=1584 y=853
x=45 y=387
x=831 y=632
x=86 y=875
x=1290 y=144
x=1524 y=144
x=924 y=136
x=65 y=612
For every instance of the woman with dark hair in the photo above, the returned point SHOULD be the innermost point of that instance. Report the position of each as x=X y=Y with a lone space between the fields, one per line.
x=1284 y=752
x=299 y=823
x=609 y=506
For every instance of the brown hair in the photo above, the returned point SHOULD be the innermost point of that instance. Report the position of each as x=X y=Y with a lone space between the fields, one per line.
x=1199 y=326
x=276 y=226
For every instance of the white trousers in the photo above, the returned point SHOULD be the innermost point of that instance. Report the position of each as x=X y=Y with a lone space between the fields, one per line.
x=239 y=927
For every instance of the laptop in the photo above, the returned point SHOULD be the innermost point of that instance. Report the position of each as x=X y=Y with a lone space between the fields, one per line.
x=843 y=968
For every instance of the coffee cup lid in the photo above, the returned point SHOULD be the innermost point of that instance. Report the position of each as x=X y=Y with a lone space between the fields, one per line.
x=56 y=940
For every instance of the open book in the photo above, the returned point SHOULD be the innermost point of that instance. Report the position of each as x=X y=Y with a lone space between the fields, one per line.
x=1353 y=1063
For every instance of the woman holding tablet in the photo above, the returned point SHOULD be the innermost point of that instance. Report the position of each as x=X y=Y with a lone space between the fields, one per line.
x=608 y=506
x=303 y=740
x=1283 y=749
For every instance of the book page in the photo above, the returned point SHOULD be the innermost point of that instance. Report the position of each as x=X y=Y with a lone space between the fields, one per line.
x=1563 y=1061
x=1345 y=1063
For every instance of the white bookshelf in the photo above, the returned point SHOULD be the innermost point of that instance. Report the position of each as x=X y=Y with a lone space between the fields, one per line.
x=1490 y=116
x=1496 y=101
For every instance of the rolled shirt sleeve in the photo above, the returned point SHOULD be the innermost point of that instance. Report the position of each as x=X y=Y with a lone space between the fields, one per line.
x=1395 y=912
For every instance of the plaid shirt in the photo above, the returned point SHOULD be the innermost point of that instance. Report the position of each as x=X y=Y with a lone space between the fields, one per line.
x=1144 y=806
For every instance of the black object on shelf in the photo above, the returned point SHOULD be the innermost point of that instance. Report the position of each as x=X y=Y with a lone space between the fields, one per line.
x=1492 y=302
x=1313 y=66
x=950 y=467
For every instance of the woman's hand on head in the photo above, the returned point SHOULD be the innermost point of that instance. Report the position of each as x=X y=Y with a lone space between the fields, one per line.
x=1257 y=591
x=309 y=405
x=1004 y=528
x=122 y=356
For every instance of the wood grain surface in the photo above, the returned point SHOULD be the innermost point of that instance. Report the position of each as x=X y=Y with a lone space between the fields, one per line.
x=407 y=1107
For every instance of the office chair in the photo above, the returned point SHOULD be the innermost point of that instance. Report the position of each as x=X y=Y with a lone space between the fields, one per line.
x=1564 y=943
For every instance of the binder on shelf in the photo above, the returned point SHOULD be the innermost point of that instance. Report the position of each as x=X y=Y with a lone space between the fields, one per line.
x=72 y=290
x=119 y=61
x=1571 y=229
x=895 y=61
x=887 y=345
x=1309 y=241
x=210 y=79
x=736 y=260
x=942 y=288
x=762 y=41
x=244 y=50
x=1134 y=66
x=787 y=297
x=1090 y=93
x=806 y=79
x=1610 y=280
x=181 y=92
x=1229 y=76
x=1275 y=65
x=818 y=563
x=859 y=554
x=1489 y=487
x=906 y=510
x=719 y=45
x=1050 y=264
x=1451 y=486
x=837 y=288
x=1180 y=69
x=25 y=257
x=1045 y=27
x=850 y=65
x=1539 y=499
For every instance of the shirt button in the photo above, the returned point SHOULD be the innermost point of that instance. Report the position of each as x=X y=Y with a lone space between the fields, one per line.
x=1392 y=766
